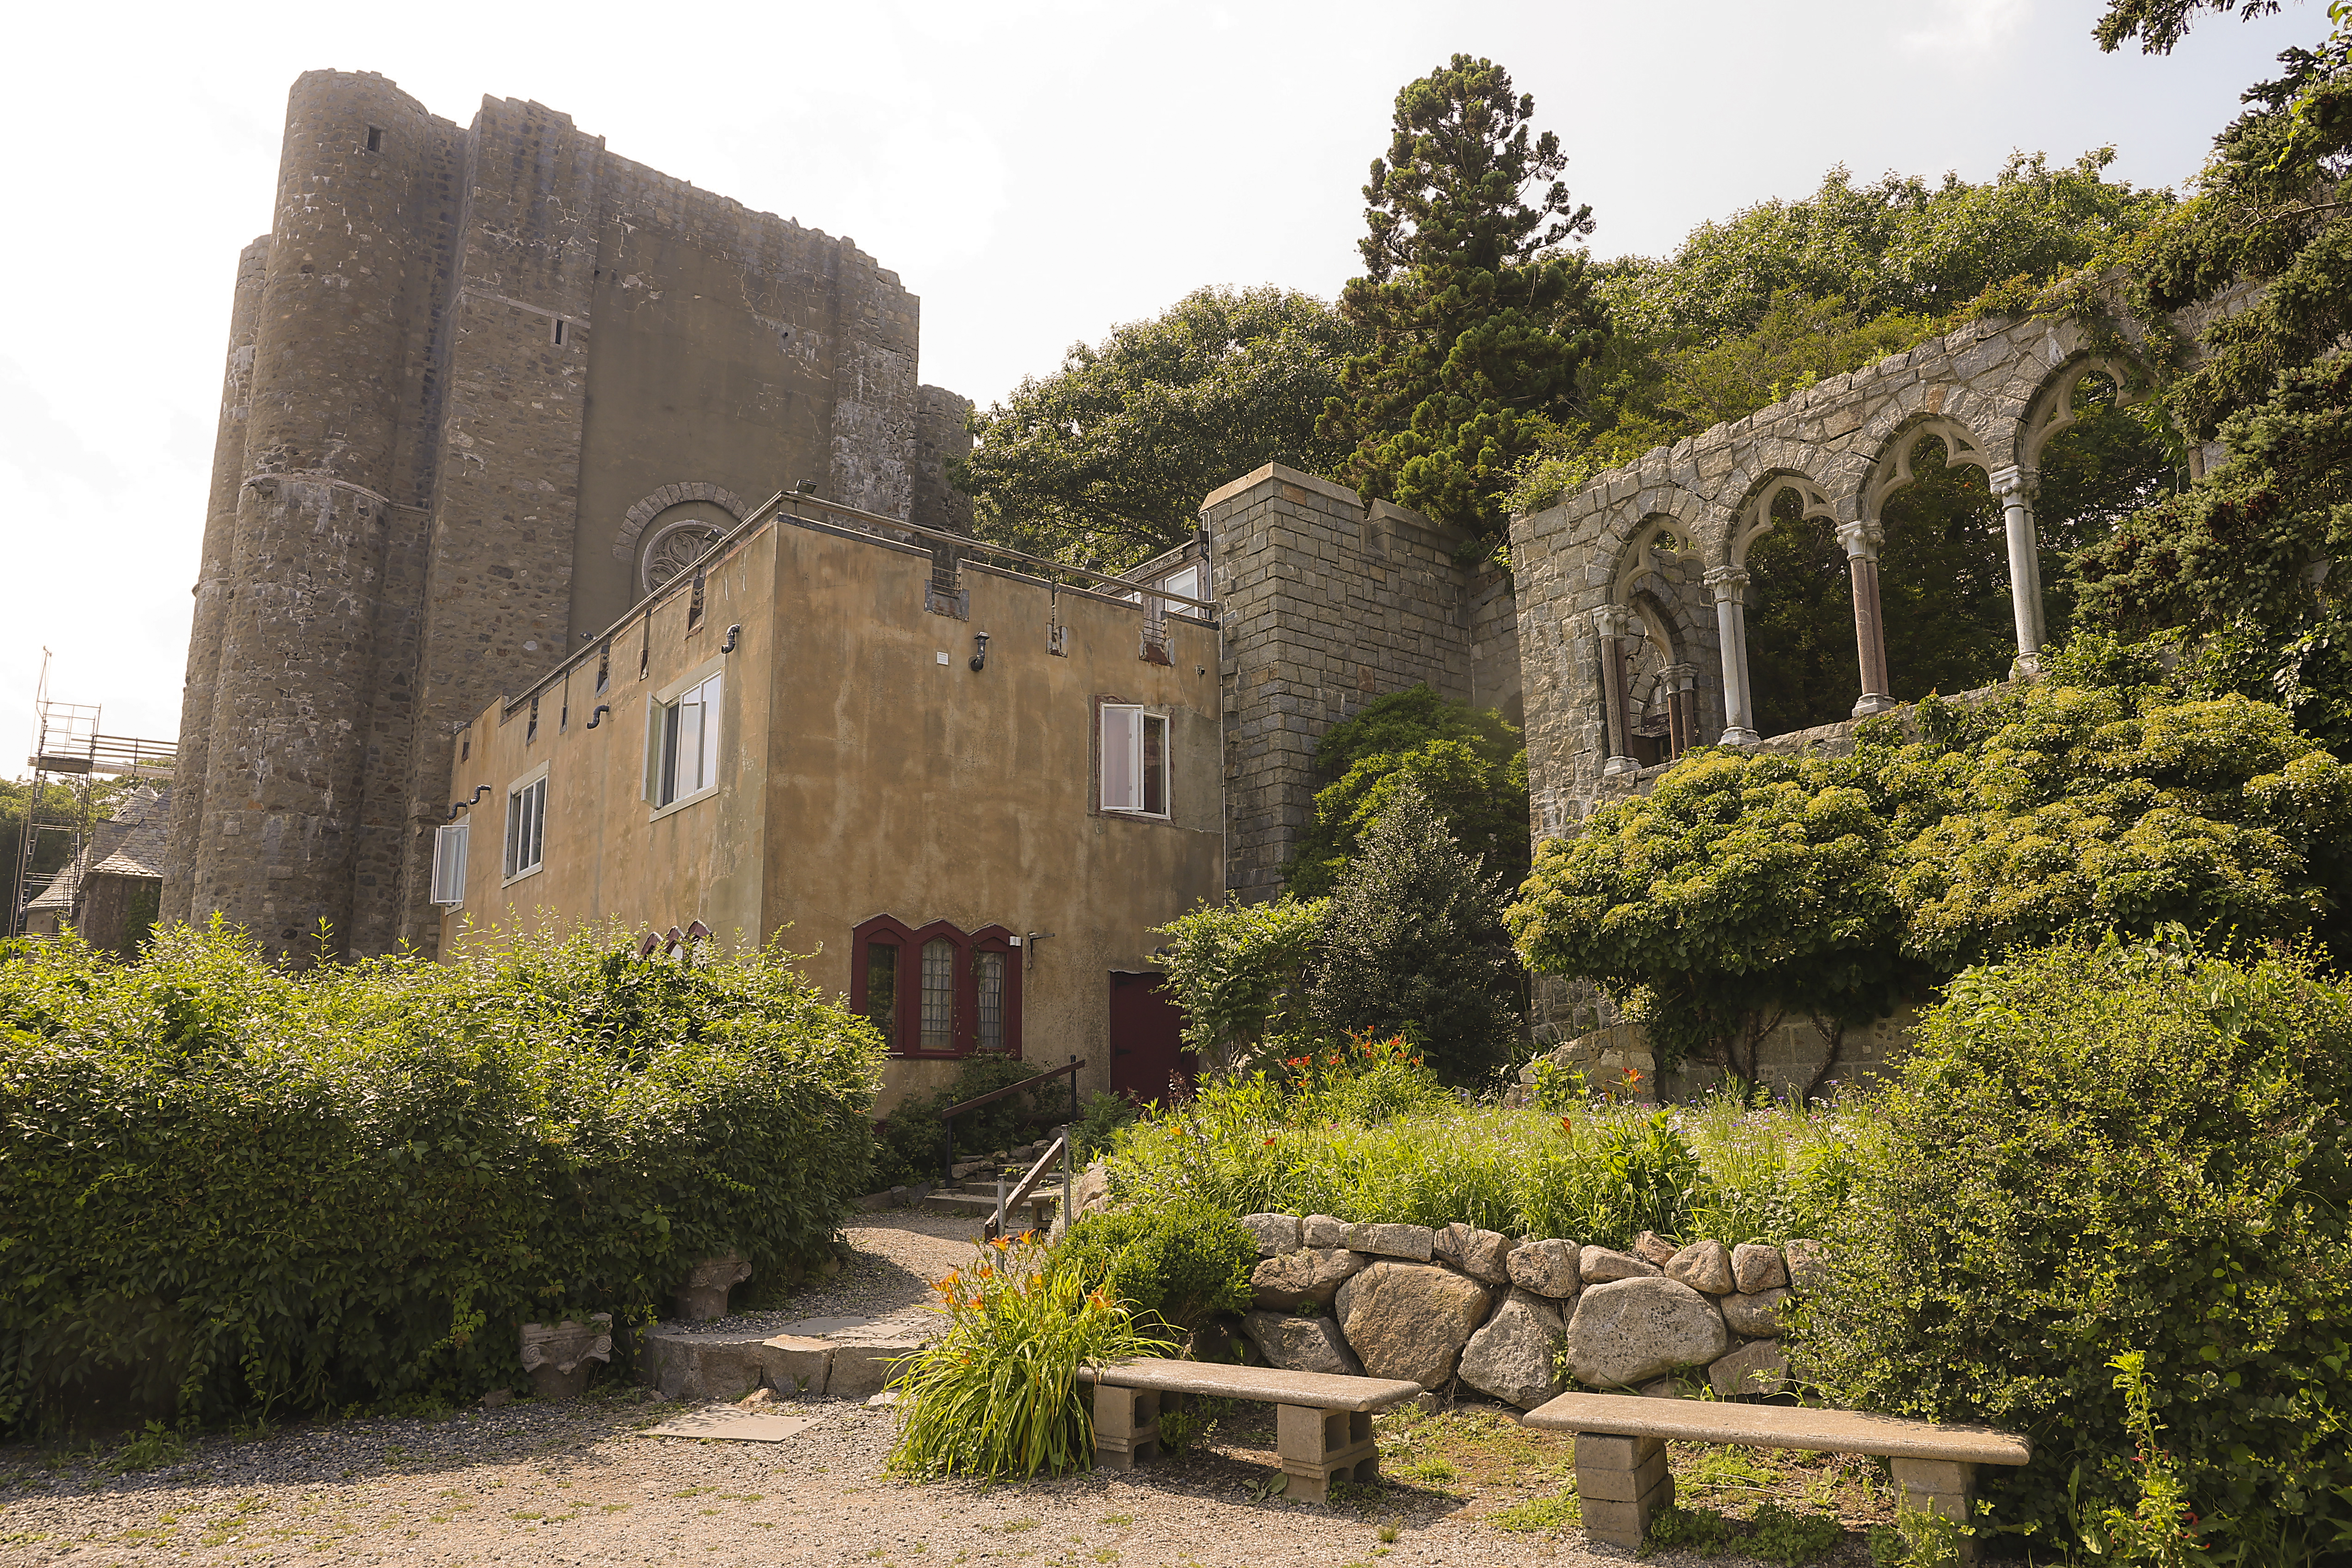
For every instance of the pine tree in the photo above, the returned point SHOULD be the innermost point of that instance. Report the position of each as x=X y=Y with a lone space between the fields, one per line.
x=1478 y=320
x=1412 y=945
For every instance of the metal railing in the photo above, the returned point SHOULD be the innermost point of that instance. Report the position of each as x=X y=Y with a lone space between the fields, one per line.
x=947 y=1117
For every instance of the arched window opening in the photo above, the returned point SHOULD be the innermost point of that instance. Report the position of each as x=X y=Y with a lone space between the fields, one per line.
x=938 y=990
x=1801 y=658
x=2097 y=462
x=1943 y=575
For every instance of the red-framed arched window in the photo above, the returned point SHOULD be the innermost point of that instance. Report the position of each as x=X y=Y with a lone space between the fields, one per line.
x=938 y=989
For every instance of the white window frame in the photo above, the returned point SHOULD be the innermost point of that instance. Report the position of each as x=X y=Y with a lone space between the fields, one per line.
x=665 y=701
x=450 y=845
x=526 y=801
x=1119 y=728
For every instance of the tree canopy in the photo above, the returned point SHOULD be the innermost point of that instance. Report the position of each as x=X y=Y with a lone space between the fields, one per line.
x=1108 y=458
x=1745 y=887
x=1476 y=318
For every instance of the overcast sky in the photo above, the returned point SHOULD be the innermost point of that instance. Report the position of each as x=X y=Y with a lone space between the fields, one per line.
x=1036 y=171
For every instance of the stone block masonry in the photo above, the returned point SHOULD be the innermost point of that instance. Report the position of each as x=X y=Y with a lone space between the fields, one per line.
x=459 y=363
x=1327 y=602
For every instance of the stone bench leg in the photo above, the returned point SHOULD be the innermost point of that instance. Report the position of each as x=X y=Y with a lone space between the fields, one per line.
x=1127 y=1426
x=1940 y=1486
x=1320 y=1446
x=1620 y=1482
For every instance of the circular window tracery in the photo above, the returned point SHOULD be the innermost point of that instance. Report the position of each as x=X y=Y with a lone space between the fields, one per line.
x=672 y=549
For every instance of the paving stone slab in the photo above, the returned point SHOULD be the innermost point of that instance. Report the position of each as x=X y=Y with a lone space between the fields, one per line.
x=734 y=1424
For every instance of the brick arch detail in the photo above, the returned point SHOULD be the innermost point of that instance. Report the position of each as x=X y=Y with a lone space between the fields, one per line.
x=632 y=524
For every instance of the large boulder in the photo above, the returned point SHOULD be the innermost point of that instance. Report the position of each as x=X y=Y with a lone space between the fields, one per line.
x=1286 y=1283
x=1092 y=1193
x=1300 y=1344
x=1758 y=1267
x=1755 y=1317
x=1511 y=1356
x=1547 y=1268
x=1275 y=1232
x=1410 y=1320
x=1704 y=1266
x=1321 y=1231
x=1627 y=1331
x=1809 y=1266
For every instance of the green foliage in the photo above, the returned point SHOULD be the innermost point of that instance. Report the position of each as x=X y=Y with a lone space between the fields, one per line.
x=1477 y=319
x=997 y=1393
x=1412 y=945
x=152 y=1449
x=1469 y=763
x=1178 y=1264
x=2158 y=24
x=1100 y=1120
x=1106 y=460
x=2161 y=1531
x=911 y=1144
x=1237 y=971
x=58 y=805
x=1917 y=1540
x=1746 y=887
x=1602 y=1172
x=1561 y=1510
x=2097 y=1150
x=351 y=1184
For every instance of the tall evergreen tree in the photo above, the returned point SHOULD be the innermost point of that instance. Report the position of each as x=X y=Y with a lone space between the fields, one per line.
x=1412 y=945
x=1477 y=318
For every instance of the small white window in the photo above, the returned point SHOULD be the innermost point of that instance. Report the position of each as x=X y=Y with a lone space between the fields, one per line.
x=1134 y=760
x=526 y=827
x=1187 y=582
x=686 y=743
x=450 y=865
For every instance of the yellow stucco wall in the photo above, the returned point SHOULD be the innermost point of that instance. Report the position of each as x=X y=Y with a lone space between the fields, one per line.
x=861 y=776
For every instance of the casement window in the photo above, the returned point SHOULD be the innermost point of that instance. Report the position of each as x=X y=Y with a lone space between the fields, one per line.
x=682 y=740
x=449 y=864
x=527 y=824
x=938 y=990
x=1134 y=753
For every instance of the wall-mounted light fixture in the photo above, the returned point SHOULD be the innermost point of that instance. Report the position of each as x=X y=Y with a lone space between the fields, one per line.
x=457 y=806
x=598 y=717
x=734 y=634
x=980 y=652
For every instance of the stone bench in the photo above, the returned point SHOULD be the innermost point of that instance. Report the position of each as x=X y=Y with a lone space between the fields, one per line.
x=1323 y=1421
x=1620 y=1452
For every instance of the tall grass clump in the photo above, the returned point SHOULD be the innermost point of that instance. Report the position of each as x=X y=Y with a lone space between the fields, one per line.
x=1364 y=1133
x=278 y=1190
x=997 y=1393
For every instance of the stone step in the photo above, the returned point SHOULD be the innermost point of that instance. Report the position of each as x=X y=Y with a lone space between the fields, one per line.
x=849 y=1358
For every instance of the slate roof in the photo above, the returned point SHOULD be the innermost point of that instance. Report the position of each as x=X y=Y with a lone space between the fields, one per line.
x=128 y=844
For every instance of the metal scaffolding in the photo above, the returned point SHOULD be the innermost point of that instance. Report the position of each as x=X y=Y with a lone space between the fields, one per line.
x=70 y=751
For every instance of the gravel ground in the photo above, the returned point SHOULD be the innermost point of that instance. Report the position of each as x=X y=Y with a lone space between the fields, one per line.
x=580 y=1483
x=897 y=1257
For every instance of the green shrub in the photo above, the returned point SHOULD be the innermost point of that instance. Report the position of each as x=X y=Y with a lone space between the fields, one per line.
x=351 y=1184
x=2101 y=1150
x=1180 y=1263
x=1774 y=1535
x=997 y=1393
x=912 y=1143
x=1099 y=1124
x=1238 y=973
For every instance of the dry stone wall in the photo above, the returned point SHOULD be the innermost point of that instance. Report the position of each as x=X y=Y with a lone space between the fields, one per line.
x=1503 y=1315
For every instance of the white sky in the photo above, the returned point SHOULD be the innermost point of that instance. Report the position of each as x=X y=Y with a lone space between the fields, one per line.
x=1036 y=170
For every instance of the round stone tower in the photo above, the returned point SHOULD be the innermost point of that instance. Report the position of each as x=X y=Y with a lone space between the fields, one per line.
x=294 y=622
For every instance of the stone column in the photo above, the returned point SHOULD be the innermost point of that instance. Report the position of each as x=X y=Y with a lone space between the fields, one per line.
x=1623 y=1483
x=1681 y=707
x=1729 y=584
x=1944 y=1487
x=1614 y=624
x=1861 y=541
x=2016 y=488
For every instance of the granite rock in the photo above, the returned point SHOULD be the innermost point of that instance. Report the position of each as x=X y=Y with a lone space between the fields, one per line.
x=1756 y=1317
x=1757 y=1367
x=1276 y=1233
x=1417 y=1243
x=1809 y=1266
x=1321 y=1232
x=1285 y=1283
x=1301 y=1345
x=1510 y=1356
x=1758 y=1267
x=1704 y=1266
x=1626 y=1332
x=1598 y=1265
x=1410 y=1320
x=1650 y=1245
x=1545 y=1267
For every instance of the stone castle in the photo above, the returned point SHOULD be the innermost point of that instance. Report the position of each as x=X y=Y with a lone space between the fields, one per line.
x=487 y=385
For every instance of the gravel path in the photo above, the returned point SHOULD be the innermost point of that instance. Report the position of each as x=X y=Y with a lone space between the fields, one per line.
x=580 y=1483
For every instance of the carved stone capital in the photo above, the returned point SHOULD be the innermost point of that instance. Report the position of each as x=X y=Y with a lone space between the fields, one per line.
x=1681 y=677
x=1861 y=538
x=1728 y=582
x=2014 y=484
x=1613 y=621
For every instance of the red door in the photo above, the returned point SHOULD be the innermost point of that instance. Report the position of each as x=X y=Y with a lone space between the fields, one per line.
x=1147 y=1042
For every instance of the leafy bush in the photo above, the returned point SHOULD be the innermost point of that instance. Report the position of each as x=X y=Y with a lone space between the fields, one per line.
x=1177 y=1263
x=913 y=1142
x=1099 y=1122
x=2095 y=1151
x=1412 y=945
x=351 y=1184
x=1238 y=973
x=1468 y=762
x=1774 y=1535
x=997 y=1393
